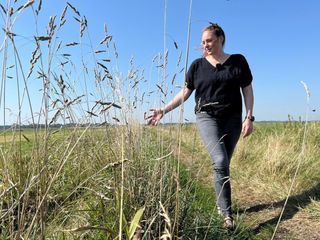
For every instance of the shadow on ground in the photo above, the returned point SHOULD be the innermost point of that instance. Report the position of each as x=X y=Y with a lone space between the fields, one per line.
x=294 y=203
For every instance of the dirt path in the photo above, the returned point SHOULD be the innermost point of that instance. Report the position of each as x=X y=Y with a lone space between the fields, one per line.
x=296 y=223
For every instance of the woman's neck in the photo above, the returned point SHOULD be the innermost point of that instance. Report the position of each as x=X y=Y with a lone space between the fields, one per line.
x=219 y=57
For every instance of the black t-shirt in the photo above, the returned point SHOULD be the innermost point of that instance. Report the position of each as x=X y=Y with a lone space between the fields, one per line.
x=218 y=88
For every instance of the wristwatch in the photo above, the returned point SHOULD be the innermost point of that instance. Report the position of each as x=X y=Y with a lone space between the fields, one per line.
x=251 y=118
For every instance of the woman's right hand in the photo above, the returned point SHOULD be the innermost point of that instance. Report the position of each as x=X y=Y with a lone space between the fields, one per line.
x=155 y=117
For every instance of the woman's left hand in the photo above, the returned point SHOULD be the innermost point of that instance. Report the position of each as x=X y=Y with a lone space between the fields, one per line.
x=155 y=117
x=247 y=127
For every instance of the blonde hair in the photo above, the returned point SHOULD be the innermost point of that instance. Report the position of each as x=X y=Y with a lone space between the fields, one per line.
x=218 y=31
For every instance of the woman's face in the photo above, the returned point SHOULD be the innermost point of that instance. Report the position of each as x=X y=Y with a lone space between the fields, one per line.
x=210 y=43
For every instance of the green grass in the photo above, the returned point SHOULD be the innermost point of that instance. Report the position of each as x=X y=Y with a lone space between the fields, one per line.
x=76 y=182
x=262 y=169
x=87 y=192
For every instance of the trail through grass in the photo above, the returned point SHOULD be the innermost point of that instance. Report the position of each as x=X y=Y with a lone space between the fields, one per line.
x=262 y=170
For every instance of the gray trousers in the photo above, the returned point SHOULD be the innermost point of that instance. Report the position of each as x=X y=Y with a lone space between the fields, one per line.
x=220 y=136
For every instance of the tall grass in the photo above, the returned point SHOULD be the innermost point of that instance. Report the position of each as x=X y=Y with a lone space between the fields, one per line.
x=84 y=167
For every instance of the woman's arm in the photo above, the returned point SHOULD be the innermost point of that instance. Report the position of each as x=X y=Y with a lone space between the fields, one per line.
x=181 y=97
x=158 y=113
x=247 y=126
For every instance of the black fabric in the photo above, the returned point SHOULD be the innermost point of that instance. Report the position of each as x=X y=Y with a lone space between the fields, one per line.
x=217 y=89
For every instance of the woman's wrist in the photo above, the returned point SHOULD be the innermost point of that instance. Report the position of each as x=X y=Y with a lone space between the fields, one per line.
x=250 y=117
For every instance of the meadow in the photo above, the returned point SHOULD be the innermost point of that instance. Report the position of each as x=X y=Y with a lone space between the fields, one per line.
x=275 y=179
x=77 y=163
x=159 y=185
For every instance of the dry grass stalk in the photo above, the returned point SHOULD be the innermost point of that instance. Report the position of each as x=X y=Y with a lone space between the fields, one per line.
x=301 y=157
x=64 y=159
x=39 y=7
x=29 y=3
x=83 y=25
x=74 y=9
x=106 y=39
x=89 y=228
x=166 y=234
x=62 y=17
x=3 y=9
x=72 y=44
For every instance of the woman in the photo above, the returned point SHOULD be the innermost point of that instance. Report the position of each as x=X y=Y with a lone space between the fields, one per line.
x=217 y=79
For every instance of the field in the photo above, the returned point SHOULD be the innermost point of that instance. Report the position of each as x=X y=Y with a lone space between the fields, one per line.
x=77 y=162
x=112 y=182
x=263 y=171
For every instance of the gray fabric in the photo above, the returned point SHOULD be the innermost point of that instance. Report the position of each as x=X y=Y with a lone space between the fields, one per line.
x=220 y=136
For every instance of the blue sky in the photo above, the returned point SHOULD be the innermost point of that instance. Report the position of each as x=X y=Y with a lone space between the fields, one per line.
x=279 y=39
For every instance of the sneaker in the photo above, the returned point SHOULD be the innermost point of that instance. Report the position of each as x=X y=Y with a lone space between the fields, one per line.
x=229 y=223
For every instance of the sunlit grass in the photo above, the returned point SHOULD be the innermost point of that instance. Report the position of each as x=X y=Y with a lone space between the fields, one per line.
x=85 y=165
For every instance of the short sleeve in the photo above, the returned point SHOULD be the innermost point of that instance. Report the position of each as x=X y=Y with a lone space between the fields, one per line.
x=246 y=76
x=189 y=81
